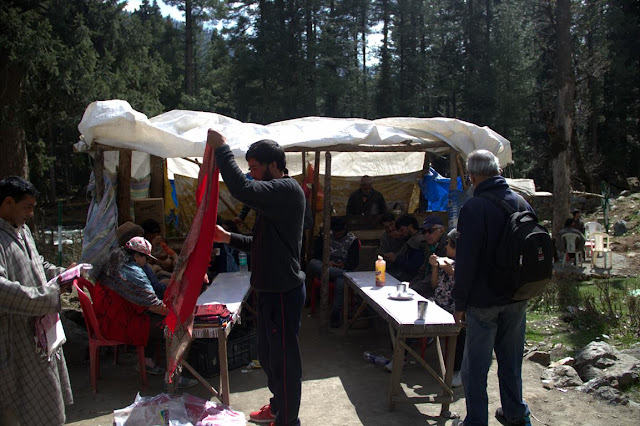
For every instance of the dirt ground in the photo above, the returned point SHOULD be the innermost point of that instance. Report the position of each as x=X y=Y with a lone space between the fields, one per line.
x=340 y=388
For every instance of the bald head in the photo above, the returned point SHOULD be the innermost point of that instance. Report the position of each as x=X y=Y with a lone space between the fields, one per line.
x=366 y=184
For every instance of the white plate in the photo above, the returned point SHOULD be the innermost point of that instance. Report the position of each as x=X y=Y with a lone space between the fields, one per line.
x=404 y=296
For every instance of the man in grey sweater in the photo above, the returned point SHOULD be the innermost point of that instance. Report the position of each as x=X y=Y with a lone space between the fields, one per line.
x=275 y=267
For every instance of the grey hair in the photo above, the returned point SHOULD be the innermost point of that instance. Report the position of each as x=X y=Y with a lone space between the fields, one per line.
x=483 y=163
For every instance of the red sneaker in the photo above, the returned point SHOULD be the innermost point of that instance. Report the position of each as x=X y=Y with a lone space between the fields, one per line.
x=264 y=415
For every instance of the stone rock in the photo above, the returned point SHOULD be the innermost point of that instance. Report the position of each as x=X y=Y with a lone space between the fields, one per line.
x=599 y=359
x=539 y=357
x=625 y=193
x=633 y=351
x=564 y=361
x=601 y=388
x=547 y=384
x=599 y=353
x=619 y=228
x=562 y=376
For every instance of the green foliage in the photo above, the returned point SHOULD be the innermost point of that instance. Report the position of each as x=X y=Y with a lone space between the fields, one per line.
x=491 y=63
x=592 y=309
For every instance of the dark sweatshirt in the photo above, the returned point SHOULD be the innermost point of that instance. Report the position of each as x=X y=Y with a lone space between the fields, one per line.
x=277 y=235
x=480 y=224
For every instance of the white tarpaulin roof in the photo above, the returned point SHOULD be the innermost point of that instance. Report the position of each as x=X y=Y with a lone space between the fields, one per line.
x=180 y=133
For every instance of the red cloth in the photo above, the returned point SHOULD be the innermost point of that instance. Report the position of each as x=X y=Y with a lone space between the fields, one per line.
x=120 y=319
x=186 y=281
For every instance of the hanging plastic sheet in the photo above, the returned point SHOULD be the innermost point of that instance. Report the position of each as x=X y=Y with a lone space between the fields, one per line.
x=435 y=189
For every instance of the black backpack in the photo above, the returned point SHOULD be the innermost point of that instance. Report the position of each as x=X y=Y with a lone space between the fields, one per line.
x=524 y=255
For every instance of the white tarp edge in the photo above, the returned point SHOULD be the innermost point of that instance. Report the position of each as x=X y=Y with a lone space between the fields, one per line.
x=180 y=133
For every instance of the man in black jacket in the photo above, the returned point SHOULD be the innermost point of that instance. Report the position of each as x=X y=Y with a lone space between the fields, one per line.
x=275 y=267
x=366 y=201
x=493 y=320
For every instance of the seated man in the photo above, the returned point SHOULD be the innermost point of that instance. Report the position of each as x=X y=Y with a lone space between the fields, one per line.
x=344 y=256
x=569 y=228
x=435 y=236
x=366 y=201
x=391 y=240
x=404 y=263
x=166 y=258
x=577 y=221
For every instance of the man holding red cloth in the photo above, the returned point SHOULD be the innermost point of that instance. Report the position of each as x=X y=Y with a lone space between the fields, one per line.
x=275 y=267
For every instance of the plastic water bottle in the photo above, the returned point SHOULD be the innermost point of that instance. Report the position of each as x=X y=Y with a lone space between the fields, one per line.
x=242 y=260
x=375 y=359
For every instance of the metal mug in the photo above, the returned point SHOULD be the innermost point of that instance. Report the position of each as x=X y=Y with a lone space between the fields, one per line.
x=401 y=288
x=422 y=309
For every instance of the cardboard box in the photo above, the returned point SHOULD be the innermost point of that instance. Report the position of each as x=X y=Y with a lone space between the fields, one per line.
x=149 y=208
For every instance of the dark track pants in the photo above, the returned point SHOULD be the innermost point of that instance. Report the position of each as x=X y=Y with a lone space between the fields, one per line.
x=279 y=317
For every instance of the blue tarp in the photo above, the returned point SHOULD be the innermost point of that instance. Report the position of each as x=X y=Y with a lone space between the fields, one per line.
x=435 y=189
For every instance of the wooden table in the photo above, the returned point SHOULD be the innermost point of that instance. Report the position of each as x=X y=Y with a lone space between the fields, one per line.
x=401 y=315
x=230 y=289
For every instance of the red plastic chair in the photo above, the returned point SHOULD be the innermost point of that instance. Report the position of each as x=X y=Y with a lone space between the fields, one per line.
x=95 y=337
x=315 y=287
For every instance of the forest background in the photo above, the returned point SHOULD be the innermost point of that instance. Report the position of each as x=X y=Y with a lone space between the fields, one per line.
x=559 y=78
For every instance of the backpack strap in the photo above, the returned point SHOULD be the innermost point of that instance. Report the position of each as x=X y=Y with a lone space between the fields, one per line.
x=499 y=202
x=522 y=204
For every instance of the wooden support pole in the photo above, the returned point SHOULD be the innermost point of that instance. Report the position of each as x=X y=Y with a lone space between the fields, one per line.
x=453 y=169
x=124 y=186
x=316 y=183
x=156 y=186
x=326 y=243
x=98 y=173
x=461 y=172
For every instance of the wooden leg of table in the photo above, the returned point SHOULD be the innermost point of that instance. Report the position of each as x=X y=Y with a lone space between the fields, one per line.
x=451 y=356
x=396 y=372
x=224 y=369
x=348 y=325
x=345 y=306
x=201 y=379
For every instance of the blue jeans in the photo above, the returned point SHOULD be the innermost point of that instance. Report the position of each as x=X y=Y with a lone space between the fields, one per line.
x=335 y=275
x=499 y=328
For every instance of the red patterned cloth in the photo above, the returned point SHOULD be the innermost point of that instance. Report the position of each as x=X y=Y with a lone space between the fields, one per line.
x=186 y=281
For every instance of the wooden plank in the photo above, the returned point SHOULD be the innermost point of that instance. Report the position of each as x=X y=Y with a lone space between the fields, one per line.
x=326 y=249
x=124 y=187
x=453 y=169
x=156 y=187
x=98 y=173
x=412 y=147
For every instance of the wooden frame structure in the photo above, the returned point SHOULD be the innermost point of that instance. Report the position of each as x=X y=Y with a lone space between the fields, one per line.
x=156 y=188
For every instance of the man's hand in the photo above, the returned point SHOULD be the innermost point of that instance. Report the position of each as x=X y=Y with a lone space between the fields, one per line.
x=390 y=257
x=459 y=316
x=215 y=139
x=221 y=235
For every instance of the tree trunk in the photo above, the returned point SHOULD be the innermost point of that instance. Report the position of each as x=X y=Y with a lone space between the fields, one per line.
x=561 y=132
x=189 y=68
x=13 y=147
